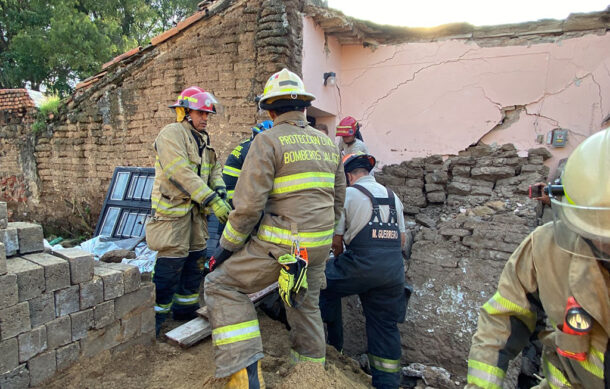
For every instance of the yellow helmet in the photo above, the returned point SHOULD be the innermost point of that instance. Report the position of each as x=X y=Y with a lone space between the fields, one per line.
x=285 y=88
x=584 y=209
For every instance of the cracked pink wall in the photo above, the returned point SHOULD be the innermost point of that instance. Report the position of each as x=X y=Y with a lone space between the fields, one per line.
x=417 y=99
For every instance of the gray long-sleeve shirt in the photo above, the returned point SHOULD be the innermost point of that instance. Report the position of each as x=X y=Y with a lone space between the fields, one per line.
x=358 y=209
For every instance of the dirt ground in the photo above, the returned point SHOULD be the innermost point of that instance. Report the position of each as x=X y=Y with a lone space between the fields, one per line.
x=165 y=366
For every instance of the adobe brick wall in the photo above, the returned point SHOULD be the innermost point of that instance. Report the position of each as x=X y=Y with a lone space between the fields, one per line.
x=114 y=122
x=18 y=178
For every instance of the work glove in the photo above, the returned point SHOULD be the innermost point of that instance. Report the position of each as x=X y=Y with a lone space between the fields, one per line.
x=220 y=255
x=222 y=192
x=292 y=282
x=221 y=209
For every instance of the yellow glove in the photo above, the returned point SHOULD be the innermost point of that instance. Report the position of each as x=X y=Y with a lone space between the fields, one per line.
x=293 y=278
x=221 y=209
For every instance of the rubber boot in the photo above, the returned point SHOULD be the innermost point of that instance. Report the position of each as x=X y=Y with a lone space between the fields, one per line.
x=250 y=377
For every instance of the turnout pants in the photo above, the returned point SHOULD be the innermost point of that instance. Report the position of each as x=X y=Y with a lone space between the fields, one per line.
x=236 y=333
x=180 y=243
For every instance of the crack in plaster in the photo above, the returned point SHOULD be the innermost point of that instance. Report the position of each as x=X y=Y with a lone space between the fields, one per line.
x=377 y=64
x=369 y=111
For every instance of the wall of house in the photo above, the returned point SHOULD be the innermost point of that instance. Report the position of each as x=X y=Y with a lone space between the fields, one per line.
x=115 y=121
x=417 y=99
x=19 y=181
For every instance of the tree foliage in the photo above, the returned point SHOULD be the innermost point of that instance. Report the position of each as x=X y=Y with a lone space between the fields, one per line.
x=55 y=43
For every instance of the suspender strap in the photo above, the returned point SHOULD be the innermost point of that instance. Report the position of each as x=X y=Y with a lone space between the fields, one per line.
x=390 y=201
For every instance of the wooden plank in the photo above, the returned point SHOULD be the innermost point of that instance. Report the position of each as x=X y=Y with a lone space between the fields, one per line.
x=190 y=333
x=198 y=329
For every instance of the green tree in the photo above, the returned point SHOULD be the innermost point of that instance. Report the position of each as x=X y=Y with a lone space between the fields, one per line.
x=55 y=43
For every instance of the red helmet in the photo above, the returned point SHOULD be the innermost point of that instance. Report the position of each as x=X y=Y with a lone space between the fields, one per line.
x=358 y=160
x=347 y=126
x=196 y=98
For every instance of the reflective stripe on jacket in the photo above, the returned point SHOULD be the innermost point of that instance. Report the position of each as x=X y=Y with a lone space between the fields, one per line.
x=232 y=169
x=183 y=176
x=294 y=175
x=540 y=271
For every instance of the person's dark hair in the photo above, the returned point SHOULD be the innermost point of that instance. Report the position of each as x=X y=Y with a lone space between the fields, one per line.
x=359 y=134
x=359 y=170
x=284 y=109
x=311 y=120
x=606 y=120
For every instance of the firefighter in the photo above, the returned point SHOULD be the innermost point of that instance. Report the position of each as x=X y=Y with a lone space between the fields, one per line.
x=294 y=174
x=351 y=140
x=235 y=161
x=561 y=267
x=188 y=178
x=373 y=229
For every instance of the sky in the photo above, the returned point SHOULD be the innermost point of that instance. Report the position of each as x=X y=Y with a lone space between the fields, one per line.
x=429 y=13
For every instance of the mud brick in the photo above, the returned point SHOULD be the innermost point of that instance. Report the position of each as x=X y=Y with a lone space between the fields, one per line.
x=30 y=236
x=3 y=215
x=42 y=309
x=81 y=264
x=140 y=299
x=100 y=340
x=59 y=332
x=30 y=277
x=148 y=321
x=91 y=293
x=32 y=343
x=2 y=259
x=9 y=351
x=67 y=300
x=14 y=320
x=8 y=290
x=103 y=314
x=56 y=270
x=81 y=323
x=131 y=275
x=18 y=378
x=10 y=239
x=42 y=367
x=67 y=355
x=112 y=279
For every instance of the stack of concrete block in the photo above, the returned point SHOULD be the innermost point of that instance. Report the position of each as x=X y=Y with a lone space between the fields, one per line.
x=56 y=308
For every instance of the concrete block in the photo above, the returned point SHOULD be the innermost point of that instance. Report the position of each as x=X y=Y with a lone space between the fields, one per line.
x=42 y=367
x=67 y=300
x=10 y=240
x=31 y=238
x=18 y=378
x=56 y=270
x=9 y=351
x=100 y=340
x=42 y=309
x=67 y=355
x=103 y=314
x=130 y=327
x=3 y=215
x=30 y=278
x=8 y=290
x=14 y=320
x=112 y=279
x=91 y=293
x=140 y=300
x=81 y=323
x=148 y=321
x=131 y=275
x=32 y=343
x=59 y=332
x=81 y=264
x=2 y=259
x=142 y=340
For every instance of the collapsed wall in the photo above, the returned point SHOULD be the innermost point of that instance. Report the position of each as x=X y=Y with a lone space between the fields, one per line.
x=467 y=213
x=57 y=308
